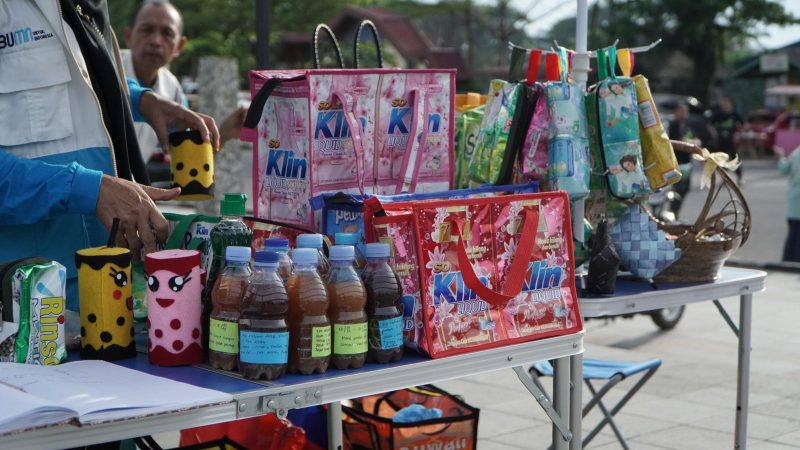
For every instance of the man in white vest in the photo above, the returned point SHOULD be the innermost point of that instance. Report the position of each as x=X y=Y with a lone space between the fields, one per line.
x=68 y=154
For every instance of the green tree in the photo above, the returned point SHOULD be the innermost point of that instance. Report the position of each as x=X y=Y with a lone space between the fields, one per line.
x=703 y=30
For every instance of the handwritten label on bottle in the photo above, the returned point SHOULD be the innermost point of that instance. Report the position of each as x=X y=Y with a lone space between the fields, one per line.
x=391 y=331
x=264 y=348
x=350 y=338
x=223 y=336
x=320 y=341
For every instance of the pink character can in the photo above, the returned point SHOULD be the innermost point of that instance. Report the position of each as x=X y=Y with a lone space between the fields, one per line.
x=174 y=289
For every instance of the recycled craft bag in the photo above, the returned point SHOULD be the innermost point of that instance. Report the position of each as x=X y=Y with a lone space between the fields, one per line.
x=357 y=131
x=660 y=163
x=533 y=157
x=492 y=139
x=568 y=145
x=615 y=129
x=516 y=283
x=642 y=247
x=395 y=226
x=33 y=313
x=469 y=114
x=368 y=423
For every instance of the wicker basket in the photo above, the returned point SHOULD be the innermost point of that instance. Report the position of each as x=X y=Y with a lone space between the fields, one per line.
x=713 y=237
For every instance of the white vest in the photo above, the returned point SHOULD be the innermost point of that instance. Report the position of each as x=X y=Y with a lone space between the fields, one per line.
x=45 y=89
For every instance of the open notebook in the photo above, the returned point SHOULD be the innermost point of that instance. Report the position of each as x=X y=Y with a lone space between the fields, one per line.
x=90 y=392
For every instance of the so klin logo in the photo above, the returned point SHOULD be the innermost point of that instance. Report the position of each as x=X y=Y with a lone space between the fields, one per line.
x=400 y=120
x=285 y=170
x=450 y=286
x=332 y=131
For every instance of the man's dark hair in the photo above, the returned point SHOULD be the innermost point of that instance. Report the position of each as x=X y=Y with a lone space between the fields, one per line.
x=164 y=3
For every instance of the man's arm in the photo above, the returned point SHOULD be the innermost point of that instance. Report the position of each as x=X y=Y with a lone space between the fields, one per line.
x=31 y=190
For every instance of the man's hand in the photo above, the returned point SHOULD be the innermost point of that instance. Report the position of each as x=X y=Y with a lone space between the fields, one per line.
x=141 y=223
x=163 y=115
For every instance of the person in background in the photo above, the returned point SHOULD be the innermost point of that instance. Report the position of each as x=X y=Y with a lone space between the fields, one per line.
x=68 y=155
x=680 y=130
x=155 y=38
x=790 y=166
x=727 y=122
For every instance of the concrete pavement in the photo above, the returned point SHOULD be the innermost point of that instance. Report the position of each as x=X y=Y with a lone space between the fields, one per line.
x=690 y=402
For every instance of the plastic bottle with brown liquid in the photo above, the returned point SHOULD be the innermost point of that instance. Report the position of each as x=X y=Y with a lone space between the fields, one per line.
x=352 y=239
x=281 y=247
x=263 y=331
x=314 y=241
x=384 y=293
x=226 y=298
x=348 y=299
x=309 y=326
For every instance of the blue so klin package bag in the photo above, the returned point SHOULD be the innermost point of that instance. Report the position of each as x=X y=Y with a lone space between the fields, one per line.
x=344 y=213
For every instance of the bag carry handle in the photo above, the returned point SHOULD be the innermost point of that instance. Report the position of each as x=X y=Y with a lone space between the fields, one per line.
x=376 y=38
x=417 y=137
x=348 y=108
x=519 y=267
x=551 y=65
x=625 y=61
x=181 y=228
x=333 y=39
x=534 y=60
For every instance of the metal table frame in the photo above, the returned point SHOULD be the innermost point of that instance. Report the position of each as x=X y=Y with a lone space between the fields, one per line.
x=296 y=391
x=634 y=297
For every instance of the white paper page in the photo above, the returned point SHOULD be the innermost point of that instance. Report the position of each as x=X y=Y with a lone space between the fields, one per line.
x=21 y=410
x=100 y=390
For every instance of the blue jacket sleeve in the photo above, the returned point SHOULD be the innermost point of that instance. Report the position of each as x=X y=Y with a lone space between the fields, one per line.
x=31 y=190
x=136 y=93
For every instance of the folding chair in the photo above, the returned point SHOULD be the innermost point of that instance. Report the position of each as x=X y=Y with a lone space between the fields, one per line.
x=612 y=372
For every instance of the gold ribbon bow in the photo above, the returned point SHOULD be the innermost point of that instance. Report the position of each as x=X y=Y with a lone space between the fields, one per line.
x=714 y=160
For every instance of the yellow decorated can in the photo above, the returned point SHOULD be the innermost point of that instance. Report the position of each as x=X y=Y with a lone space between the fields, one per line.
x=106 y=303
x=191 y=165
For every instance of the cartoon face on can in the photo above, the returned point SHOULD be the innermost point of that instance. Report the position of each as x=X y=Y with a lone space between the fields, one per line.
x=174 y=290
x=192 y=165
x=106 y=303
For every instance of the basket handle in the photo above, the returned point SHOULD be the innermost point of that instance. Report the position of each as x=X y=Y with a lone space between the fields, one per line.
x=690 y=148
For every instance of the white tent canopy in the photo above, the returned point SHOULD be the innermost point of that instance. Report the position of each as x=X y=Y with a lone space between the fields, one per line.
x=784 y=89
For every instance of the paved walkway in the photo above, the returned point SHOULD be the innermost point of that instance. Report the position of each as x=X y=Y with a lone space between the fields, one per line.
x=690 y=402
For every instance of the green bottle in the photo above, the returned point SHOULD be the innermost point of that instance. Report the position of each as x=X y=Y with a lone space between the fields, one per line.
x=229 y=231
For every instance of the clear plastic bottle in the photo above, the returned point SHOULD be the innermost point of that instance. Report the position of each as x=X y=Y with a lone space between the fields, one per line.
x=281 y=247
x=315 y=241
x=309 y=326
x=230 y=231
x=384 y=294
x=352 y=239
x=348 y=299
x=263 y=331
x=223 y=345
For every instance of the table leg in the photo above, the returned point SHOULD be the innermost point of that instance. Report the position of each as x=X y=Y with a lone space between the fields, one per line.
x=561 y=382
x=576 y=400
x=743 y=379
x=335 y=426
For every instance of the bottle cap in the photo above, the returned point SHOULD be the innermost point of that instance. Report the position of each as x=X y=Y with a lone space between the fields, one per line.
x=378 y=250
x=276 y=244
x=233 y=204
x=264 y=257
x=346 y=238
x=237 y=254
x=309 y=241
x=305 y=256
x=343 y=253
